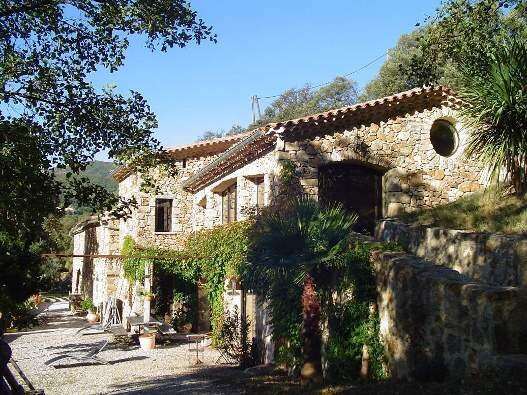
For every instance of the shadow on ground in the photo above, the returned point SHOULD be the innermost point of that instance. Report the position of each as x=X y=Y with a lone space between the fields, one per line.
x=199 y=380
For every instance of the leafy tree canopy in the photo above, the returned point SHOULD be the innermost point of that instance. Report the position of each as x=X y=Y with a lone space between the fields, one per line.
x=461 y=32
x=295 y=103
x=49 y=48
x=211 y=134
x=51 y=115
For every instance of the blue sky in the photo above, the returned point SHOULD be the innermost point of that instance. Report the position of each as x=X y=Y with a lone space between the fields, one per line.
x=263 y=48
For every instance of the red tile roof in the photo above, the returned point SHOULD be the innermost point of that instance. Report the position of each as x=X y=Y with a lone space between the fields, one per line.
x=410 y=99
x=370 y=111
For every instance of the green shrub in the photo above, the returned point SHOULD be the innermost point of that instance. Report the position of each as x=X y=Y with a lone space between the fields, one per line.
x=87 y=305
x=209 y=256
x=494 y=210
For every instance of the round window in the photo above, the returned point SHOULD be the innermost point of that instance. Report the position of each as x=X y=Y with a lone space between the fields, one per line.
x=443 y=137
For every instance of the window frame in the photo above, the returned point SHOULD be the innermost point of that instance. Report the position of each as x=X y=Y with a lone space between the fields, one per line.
x=229 y=204
x=166 y=204
x=260 y=191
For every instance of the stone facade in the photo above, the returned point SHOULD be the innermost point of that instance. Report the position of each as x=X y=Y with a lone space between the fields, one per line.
x=436 y=323
x=414 y=175
x=391 y=136
x=96 y=278
x=493 y=259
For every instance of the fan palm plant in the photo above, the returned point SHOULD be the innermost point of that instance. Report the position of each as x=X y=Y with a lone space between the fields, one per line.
x=495 y=109
x=300 y=241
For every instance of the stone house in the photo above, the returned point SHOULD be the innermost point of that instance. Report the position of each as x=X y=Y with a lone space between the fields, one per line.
x=379 y=159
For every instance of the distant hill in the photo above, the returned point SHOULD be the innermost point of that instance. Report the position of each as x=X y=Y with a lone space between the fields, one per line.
x=98 y=172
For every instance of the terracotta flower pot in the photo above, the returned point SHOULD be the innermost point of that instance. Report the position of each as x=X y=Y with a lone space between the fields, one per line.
x=147 y=341
x=92 y=317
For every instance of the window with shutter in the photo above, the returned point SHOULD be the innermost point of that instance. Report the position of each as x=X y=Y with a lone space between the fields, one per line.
x=163 y=215
x=228 y=199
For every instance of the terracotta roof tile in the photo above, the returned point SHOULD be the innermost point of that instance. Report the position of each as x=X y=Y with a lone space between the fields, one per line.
x=413 y=95
x=197 y=149
x=384 y=107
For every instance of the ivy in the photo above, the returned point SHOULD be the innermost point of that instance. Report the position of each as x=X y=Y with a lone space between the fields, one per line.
x=209 y=256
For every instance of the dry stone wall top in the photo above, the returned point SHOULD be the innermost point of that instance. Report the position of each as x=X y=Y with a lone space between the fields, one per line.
x=494 y=259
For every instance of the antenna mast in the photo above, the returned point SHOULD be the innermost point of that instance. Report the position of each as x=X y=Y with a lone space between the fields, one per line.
x=255 y=107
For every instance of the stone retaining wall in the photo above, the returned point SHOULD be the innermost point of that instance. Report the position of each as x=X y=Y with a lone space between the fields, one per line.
x=437 y=323
x=493 y=259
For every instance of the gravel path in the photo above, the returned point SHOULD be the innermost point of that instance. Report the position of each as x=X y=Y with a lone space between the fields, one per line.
x=166 y=370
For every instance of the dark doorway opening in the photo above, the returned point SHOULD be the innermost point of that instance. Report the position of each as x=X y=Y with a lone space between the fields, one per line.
x=357 y=187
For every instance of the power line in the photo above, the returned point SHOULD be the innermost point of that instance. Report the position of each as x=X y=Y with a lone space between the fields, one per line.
x=327 y=83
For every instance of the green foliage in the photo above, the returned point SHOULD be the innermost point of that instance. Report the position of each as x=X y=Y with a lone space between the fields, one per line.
x=52 y=116
x=133 y=266
x=494 y=210
x=290 y=246
x=496 y=111
x=353 y=327
x=288 y=171
x=295 y=103
x=288 y=340
x=20 y=316
x=210 y=255
x=461 y=32
x=222 y=253
x=233 y=338
x=97 y=173
x=51 y=50
x=210 y=134
x=87 y=305
x=394 y=75
x=185 y=305
x=465 y=32
x=28 y=196
x=298 y=239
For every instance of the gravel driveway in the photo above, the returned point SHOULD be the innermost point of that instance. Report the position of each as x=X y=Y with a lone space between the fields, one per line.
x=166 y=370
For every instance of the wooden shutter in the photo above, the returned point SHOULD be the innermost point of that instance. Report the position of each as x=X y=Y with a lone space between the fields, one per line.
x=228 y=204
x=225 y=207
x=232 y=203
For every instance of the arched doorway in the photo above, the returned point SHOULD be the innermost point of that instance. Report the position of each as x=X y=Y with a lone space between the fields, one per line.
x=357 y=187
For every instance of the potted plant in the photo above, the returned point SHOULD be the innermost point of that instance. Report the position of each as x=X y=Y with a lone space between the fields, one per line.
x=87 y=305
x=181 y=313
x=147 y=340
x=147 y=295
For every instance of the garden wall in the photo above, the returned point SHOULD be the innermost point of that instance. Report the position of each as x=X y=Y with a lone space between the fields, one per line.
x=437 y=323
x=493 y=259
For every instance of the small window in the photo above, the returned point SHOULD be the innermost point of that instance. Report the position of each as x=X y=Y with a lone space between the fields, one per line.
x=228 y=199
x=444 y=137
x=184 y=163
x=163 y=215
x=259 y=192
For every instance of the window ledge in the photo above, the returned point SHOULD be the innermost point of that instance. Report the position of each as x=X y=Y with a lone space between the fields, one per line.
x=166 y=233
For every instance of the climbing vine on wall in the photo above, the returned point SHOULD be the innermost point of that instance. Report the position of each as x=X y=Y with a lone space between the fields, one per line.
x=209 y=256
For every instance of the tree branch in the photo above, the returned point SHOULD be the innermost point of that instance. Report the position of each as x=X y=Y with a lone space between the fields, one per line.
x=26 y=7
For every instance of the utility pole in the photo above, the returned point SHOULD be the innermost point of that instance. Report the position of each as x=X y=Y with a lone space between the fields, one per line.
x=255 y=107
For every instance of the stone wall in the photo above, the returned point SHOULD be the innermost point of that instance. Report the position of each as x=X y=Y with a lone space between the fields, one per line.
x=437 y=323
x=207 y=208
x=192 y=212
x=494 y=259
x=96 y=278
x=141 y=224
x=415 y=176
